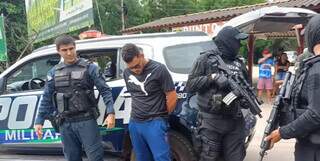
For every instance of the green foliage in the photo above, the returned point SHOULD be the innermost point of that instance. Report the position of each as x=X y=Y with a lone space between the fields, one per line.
x=218 y=4
x=164 y=8
x=110 y=14
x=138 y=12
x=15 y=27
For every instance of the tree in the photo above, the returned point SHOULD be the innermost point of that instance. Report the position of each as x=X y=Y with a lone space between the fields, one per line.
x=205 y=5
x=16 y=28
x=108 y=19
x=164 y=8
x=110 y=14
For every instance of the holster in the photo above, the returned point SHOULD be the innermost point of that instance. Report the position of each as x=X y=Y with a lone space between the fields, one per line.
x=196 y=137
x=56 y=121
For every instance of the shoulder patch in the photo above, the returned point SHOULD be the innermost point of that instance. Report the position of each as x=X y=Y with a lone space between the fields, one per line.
x=49 y=77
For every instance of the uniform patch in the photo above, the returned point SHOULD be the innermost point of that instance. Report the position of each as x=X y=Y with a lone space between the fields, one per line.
x=77 y=74
x=49 y=77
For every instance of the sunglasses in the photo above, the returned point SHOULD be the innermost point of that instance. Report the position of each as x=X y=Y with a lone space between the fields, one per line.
x=137 y=66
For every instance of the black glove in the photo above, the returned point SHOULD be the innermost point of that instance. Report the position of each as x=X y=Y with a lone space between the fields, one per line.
x=220 y=79
x=244 y=103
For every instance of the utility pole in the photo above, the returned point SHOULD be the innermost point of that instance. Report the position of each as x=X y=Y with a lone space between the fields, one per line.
x=99 y=16
x=122 y=15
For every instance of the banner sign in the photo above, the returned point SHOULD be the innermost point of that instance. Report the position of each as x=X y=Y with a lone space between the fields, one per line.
x=210 y=28
x=3 y=44
x=49 y=18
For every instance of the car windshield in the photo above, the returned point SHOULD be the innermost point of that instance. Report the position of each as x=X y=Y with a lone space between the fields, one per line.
x=179 y=58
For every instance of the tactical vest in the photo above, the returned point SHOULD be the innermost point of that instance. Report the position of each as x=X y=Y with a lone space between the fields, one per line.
x=211 y=102
x=74 y=94
x=297 y=108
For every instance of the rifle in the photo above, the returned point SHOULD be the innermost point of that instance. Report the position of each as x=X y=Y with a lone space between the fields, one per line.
x=275 y=115
x=240 y=87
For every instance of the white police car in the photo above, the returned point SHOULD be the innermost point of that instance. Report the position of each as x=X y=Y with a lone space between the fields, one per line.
x=21 y=87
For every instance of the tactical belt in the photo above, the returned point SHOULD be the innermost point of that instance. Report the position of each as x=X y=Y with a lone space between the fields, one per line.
x=80 y=116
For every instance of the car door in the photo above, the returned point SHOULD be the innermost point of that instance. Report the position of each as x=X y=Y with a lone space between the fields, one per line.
x=112 y=67
x=19 y=102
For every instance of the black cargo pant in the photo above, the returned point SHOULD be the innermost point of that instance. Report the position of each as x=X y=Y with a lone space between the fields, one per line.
x=305 y=151
x=222 y=138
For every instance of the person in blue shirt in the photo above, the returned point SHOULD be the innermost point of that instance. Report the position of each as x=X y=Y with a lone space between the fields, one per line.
x=265 y=74
x=69 y=93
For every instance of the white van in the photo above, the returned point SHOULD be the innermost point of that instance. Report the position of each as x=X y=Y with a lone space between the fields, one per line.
x=21 y=89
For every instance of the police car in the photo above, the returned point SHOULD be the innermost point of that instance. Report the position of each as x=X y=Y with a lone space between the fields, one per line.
x=21 y=89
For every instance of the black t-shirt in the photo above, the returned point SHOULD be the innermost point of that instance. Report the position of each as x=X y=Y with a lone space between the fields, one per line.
x=148 y=91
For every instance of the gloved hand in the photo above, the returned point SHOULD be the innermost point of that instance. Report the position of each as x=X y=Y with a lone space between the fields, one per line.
x=244 y=103
x=220 y=79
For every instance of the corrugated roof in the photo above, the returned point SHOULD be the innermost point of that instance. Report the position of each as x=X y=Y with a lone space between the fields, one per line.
x=216 y=15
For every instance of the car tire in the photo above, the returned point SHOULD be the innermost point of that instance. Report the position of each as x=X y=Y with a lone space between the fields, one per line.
x=181 y=148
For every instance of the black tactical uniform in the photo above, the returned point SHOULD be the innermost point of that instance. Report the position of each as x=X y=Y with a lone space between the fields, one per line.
x=306 y=102
x=221 y=126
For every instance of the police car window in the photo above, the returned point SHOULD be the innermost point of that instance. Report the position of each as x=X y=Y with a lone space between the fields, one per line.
x=106 y=59
x=122 y=66
x=35 y=69
x=179 y=58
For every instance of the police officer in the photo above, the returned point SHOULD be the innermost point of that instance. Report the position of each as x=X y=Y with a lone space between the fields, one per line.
x=69 y=94
x=222 y=126
x=305 y=101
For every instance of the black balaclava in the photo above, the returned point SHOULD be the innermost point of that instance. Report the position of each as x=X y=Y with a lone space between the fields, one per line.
x=228 y=43
x=312 y=32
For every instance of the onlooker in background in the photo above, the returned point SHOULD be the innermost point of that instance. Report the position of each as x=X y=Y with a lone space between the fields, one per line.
x=265 y=74
x=278 y=55
x=281 y=67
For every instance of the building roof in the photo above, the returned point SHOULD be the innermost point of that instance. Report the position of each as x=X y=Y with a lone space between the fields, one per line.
x=218 y=15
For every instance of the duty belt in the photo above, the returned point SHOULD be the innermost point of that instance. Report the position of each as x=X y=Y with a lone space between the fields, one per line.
x=80 y=116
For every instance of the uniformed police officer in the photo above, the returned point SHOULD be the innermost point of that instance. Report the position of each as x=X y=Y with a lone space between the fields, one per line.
x=305 y=102
x=222 y=127
x=69 y=94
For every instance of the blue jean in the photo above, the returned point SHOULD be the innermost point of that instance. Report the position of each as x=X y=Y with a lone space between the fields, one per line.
x=150 y=140
x=75 y=135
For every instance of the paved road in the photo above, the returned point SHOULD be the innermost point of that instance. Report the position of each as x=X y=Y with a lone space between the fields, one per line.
x=283 y=150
